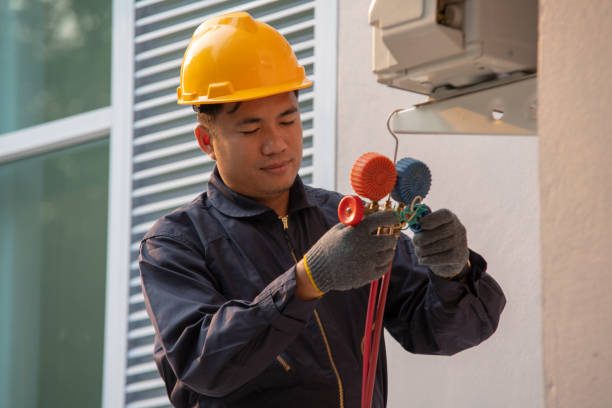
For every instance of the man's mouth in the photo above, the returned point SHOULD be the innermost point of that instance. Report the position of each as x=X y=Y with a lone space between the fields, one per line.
x=277 y=167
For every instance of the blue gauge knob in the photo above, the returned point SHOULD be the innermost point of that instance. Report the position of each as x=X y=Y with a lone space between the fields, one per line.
x=413 y=179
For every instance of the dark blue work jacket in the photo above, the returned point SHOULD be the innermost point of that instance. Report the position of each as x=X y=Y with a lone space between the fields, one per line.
x=218 y=276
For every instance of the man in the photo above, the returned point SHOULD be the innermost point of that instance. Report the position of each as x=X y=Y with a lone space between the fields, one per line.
x=257 y=294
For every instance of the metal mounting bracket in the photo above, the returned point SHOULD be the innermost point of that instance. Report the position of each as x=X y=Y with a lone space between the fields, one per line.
x=506 y=109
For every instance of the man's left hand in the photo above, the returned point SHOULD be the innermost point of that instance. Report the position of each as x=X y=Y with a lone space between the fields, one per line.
x=442 y=243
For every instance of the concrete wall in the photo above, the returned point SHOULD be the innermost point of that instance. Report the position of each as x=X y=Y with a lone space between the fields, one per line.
x=491 y=182
x=575 y=89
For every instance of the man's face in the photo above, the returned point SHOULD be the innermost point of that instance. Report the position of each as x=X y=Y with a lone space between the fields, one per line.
x=258 y=147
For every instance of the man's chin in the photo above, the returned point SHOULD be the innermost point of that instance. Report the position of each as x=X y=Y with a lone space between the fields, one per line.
x=272 y=190
x=275 y=187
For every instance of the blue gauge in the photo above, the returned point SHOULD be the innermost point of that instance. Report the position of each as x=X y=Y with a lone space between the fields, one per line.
x=413 y=179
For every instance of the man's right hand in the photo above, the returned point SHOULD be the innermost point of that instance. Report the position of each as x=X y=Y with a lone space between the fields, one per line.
x=347 y=257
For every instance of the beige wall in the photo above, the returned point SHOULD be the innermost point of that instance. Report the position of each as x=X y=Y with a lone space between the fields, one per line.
x=492 y=183
x=575 y=120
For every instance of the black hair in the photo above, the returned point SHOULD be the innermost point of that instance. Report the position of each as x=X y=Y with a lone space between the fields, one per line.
x=212 y=109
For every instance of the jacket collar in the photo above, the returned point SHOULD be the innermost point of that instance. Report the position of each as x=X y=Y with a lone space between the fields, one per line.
x=237 y=205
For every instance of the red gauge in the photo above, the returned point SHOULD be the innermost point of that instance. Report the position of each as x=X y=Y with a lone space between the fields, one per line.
x=373 y=176
x=350 y=210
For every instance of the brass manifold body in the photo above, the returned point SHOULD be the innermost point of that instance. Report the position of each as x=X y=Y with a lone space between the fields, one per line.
x=408 y=216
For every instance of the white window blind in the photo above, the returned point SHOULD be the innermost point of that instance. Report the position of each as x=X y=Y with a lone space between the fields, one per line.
x=169 y=169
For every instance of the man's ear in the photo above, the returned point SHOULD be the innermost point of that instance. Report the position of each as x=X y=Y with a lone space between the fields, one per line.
x=203 y=138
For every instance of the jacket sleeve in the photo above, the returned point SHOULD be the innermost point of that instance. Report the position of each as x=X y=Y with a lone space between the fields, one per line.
x=427 y=314
x=214 y=345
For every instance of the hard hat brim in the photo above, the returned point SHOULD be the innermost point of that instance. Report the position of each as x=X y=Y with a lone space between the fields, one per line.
x=248 y=94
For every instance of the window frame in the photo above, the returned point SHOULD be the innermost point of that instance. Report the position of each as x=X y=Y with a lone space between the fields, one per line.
x=325 y=93
x=53 y=135
x=119 y=205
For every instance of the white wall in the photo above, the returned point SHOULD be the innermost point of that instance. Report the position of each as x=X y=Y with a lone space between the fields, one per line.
x=576 y=189
x=491 y=183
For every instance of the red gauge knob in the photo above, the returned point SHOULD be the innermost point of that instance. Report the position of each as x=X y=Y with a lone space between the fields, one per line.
x=373 y=176
x=350 y=210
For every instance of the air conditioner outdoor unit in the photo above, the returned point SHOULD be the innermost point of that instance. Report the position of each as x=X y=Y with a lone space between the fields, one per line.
x=446 y=47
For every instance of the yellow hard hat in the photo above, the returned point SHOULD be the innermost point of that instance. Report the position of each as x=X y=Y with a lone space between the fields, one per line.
x=233 y=58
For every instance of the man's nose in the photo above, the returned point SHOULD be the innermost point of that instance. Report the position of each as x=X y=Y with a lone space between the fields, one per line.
x=275 y=141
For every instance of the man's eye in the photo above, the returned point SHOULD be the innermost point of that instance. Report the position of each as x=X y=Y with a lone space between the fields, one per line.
x=288 y=123
x=249 y=132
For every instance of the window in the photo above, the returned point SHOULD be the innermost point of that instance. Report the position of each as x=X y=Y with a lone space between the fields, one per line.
x=52 y=277
x=55 y=59
x=54 y=164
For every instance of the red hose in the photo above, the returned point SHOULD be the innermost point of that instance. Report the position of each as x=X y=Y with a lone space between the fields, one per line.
x=370 y=359
x=367 y=336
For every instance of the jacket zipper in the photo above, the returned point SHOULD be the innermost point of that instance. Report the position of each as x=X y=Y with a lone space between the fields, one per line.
x=282 y=361
x=285 y=220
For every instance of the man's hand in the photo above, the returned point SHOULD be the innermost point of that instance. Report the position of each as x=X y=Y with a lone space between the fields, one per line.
x=442 y=243
x=348 y=257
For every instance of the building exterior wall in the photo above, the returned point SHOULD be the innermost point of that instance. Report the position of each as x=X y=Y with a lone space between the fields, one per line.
x=492 y=184
x=575 y=90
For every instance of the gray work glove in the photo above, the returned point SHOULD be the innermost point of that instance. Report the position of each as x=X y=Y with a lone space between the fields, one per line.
x=347 y=257
x=442 y=244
